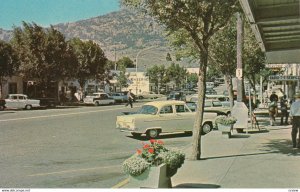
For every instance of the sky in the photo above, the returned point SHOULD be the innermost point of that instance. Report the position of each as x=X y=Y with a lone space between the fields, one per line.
x=46 y=12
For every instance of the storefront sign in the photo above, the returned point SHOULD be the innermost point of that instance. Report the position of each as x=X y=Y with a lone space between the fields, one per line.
x=284 y=78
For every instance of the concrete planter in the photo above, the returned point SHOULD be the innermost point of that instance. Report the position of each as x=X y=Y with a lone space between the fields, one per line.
x=154 y=177
x=225 y=129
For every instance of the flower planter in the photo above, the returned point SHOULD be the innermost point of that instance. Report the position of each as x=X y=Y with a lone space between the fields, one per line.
x=154 y=177
x=226 y=129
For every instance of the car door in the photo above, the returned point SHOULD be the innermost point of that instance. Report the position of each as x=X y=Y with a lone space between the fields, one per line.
x=184 y=118
x=166 y=119
x=12 y=101
x=22 y=101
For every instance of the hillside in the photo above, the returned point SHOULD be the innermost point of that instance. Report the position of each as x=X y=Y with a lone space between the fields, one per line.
x=121 y=33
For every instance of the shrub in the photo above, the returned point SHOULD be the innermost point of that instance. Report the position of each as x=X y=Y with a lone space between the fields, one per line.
x=135 y=165
x=225 y=120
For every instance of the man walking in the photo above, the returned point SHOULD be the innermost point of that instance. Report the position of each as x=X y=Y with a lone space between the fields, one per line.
x=283 y=109
x=295 y=117
x=129 y=98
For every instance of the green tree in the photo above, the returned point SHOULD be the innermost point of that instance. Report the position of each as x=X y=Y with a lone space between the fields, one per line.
x=195 y=22
x=192 y=79
x=177 y=74
x=44 y=54
x=122 y=77
x=223 y=51
x=91 y=60
x=158 y=75
x=9 y=62
x=125 y=61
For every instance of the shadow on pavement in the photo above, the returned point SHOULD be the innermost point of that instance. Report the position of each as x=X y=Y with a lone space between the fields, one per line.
x=282 y=146
x=239 y=136
x=165 y=136
x=196 y=185
x=240 y=155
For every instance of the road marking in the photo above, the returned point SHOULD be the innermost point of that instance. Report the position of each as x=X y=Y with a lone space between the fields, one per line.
x=58 y=115
x=72 y=171
x=121 y=184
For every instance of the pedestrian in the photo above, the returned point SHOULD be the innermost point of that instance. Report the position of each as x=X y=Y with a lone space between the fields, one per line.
x=295 y=118
x=129 y=99
x=283 y=109
x=273 y=109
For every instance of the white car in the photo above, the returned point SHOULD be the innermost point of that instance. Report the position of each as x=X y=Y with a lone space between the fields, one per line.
x=99 y=99
x=149 y=95
x=163 y=116
x=21 y=101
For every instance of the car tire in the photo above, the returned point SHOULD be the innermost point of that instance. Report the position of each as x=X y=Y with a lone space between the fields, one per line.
x=28 y=107
x=152 y=133
x=2 y=108
x=97 y=103
x=206 y=128
x=136 y=134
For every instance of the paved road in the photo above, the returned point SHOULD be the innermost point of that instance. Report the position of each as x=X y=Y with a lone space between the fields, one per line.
x=67 y=147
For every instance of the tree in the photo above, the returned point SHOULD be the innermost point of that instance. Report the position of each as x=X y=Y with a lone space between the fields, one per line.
x=43 y=53
x=91 y=60
x=125 y=61
x=158 y=75
x=195 y=22
x=223 y=49
x=177 y=74
x=9 y=62
x=122 y=78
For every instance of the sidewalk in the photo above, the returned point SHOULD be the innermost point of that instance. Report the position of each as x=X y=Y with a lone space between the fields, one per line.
x=259 y=159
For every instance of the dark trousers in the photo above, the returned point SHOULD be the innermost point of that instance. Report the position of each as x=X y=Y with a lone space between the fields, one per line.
x=129 y=103
x=284 y=114
x=295 y=130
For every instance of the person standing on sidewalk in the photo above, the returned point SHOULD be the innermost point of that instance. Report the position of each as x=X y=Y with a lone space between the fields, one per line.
x=129 y=98
x=273 y=109
x=295 y=118
x=283 y=109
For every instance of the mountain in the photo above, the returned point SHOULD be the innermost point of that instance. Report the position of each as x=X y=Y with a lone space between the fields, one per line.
x=121 y=33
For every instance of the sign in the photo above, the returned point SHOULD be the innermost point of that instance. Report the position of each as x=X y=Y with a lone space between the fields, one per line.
x=283 y=78
x=239 y=73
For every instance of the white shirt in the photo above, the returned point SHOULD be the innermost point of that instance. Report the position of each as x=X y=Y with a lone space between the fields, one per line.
x=295 y=108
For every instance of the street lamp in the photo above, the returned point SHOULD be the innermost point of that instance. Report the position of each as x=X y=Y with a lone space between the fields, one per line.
x=136 y=64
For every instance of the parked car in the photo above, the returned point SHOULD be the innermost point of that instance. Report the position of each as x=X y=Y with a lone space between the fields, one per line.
x=149 y=95
x=21 y=101
x=2 y=104
x=119 y=97
x=99 y=99
x=177 y=95
x=163 y=116
x=210 y=85
x=210 y=92
x=213 y=106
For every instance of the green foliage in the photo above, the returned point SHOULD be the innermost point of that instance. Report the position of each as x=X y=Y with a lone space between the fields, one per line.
x=177 y=74
x=43 y=53
x=91 y=60
x=8 y=60
x=122 y=78
x=153 y=154
x=158 y=75
x=125 y=61
x=225 y=120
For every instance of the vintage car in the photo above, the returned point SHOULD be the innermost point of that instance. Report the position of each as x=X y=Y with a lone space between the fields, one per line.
x=99 y=99
x=216 y=106
x=119 y=97
x=21 y=101
x=163 y=117
x=149 y=95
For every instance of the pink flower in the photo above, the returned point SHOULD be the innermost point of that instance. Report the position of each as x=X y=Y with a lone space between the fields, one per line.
x=160 y=142
x=139 y=151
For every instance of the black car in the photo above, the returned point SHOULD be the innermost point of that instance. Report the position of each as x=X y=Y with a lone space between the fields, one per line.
x=2 y=104
x=177 y=95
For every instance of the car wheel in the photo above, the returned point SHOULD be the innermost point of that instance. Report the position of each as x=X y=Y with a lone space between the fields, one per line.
x=206 y=128
x=97 y=103
x=28 y=107
x=2 y=108
x=228 y=113
x=152 y=133
x=141 y=97
x=136 y=134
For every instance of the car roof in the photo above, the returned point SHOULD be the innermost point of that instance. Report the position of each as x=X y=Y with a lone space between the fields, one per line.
x=159 y=104
x=17 y=94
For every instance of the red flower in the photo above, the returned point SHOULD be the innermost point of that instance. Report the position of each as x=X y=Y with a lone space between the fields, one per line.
x=146 y=146
x=152 y=141
x=160 y=142
x=151 y=150
x=139 y=151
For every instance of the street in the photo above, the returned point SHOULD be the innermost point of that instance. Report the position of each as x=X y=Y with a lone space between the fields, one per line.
x=68 y=147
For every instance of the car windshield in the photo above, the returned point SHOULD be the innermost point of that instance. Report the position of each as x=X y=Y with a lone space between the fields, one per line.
x=148 y=109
